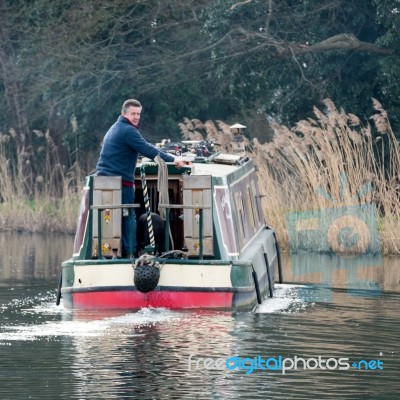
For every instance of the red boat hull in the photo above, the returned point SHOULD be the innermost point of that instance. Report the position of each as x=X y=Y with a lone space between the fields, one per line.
x=135 y=300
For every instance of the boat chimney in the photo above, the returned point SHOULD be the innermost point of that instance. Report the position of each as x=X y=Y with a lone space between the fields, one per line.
x=238 y=139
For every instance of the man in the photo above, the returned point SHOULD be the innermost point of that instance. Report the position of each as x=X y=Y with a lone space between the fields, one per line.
x=118 y=157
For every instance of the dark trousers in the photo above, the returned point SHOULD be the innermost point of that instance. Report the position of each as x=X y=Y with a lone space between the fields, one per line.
x=128 y=195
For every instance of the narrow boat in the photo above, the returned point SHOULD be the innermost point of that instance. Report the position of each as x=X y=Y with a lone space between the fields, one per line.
x=216 y=250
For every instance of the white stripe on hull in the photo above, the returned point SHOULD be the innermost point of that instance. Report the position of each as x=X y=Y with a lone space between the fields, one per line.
x=171 y=275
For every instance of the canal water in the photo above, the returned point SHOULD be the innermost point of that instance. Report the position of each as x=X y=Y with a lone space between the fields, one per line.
x=331 y=331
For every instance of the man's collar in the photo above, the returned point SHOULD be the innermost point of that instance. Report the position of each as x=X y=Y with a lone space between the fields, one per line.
x=129 y=122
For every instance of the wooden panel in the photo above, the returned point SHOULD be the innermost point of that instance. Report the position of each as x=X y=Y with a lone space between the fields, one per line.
x=188 y=215
x=196 y=181
x=193 y=246
x=97 y=199
x=111 y=219
x=106 y=247
x=191 y=217
x=197 y=199
x=197 y=191
x=107 y=215
x=207 y=214
x=117 y=214
x=107 y=182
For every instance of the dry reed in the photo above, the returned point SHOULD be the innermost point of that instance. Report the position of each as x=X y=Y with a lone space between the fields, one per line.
x=51 y=203
x=324 y=163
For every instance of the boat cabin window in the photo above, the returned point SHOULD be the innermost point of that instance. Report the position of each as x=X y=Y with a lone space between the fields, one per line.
x=241 y=218
x=255 y=196
x=251 y=209
x=248 y=215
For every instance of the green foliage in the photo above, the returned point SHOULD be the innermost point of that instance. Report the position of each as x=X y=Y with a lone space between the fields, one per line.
x=265 y=61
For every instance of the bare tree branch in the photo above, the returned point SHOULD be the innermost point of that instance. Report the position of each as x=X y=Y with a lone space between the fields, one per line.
x=338 y=42
x=242 y=3
x=343 y=41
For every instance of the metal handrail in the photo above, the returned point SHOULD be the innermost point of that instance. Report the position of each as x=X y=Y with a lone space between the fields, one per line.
x=103 y=207
x=186 y=207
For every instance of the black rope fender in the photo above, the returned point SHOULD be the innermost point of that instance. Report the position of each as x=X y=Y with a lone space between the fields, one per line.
x=146 y=273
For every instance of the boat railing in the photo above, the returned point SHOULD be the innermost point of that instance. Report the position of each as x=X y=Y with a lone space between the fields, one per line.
x=102 y=207
x=167 y=207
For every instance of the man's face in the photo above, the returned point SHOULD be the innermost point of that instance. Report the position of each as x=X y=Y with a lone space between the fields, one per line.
x=133 y=115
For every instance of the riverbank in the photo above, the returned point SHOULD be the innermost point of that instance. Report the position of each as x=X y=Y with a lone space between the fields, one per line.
x=41 y=215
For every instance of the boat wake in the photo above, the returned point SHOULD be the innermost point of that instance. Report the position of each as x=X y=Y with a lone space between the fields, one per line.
x=287 y=299
x=39 y=318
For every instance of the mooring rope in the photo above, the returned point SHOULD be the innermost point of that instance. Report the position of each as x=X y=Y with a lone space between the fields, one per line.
x=162 y=187
x=147 y=206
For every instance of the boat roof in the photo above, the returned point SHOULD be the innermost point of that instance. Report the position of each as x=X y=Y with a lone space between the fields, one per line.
x=219 y=166
x=214 y=169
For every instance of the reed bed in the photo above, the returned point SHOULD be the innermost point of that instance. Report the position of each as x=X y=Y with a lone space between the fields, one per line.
x=37 y=198
x=330 y=162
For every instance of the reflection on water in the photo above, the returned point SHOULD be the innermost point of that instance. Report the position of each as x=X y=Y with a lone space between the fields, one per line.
x=367 y=272
x=32 y=257
x=48 y=352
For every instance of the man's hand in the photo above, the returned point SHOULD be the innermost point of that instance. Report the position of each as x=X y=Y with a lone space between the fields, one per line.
x=180 y=162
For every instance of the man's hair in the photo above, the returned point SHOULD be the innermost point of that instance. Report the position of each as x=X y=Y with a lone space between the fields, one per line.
x=130 y=103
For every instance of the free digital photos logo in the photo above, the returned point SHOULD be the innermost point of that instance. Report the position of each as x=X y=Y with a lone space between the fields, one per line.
x=342 y=240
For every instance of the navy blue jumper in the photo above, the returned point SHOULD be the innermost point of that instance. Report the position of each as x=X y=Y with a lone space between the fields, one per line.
x=118 y=157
